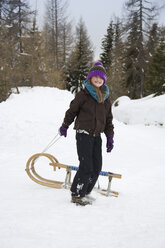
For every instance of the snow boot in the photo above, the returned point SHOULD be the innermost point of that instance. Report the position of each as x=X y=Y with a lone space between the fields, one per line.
x=80 y=201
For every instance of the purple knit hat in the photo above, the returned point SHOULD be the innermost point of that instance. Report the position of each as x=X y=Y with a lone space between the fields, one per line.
x=97 y=70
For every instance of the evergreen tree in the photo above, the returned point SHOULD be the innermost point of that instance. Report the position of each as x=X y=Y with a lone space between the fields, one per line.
x=152 y=42
x=131 y=68
x=115 y=72
x=107 y=46
x=16 y=19
x=4 y=66
x=4 y=91
x=155 y=78
x=80 y=59
x=13 y=25
x=145 y=14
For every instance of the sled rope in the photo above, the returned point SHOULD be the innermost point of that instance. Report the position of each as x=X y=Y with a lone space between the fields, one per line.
x=52 y=142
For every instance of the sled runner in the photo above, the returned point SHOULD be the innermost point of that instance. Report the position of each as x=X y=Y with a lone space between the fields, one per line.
x=30 y=169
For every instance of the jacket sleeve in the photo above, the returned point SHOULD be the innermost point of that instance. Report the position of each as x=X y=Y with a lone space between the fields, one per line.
x=74 y=108
x=109 y=128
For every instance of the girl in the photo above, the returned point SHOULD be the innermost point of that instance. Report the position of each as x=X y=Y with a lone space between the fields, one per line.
x=92 y=109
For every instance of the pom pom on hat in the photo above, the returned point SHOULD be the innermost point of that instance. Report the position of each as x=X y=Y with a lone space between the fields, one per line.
x=97 y=70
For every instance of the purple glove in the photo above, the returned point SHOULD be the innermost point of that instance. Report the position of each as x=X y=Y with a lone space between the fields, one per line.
x=109 y=142
x=63 y=131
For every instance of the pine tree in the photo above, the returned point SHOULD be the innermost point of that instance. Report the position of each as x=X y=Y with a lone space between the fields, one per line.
x=107 y=46
x=16 y=19
x=131 y=68
x=5 y=88
x=115 y=72
x=11 y=19
x=80 y=59
x=152 y=42
x=4 y=91
x=155 y=78
x=144 y=11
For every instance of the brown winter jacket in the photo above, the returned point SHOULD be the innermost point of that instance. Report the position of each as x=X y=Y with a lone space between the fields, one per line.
x=91 y=116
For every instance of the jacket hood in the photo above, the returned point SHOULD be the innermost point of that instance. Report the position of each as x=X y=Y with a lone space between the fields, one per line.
x=92 y=91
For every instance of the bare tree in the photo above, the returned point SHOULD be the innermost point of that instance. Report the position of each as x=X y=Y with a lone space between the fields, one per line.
x=59 y=31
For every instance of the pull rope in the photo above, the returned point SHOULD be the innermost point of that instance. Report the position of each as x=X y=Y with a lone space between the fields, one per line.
x=52 y=142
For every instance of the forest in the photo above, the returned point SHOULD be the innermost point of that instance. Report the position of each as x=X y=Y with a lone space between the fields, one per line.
x=60 y=54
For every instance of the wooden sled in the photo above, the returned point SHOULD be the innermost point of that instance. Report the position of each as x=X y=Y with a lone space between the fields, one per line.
x=30 y=169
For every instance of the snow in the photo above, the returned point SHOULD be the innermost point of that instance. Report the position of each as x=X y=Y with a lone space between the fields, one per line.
x=33 y=216
x=147 y=111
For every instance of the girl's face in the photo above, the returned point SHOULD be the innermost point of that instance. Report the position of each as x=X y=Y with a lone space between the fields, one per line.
x=97 y=81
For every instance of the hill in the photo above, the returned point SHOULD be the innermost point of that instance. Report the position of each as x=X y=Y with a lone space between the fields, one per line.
x=36 y=216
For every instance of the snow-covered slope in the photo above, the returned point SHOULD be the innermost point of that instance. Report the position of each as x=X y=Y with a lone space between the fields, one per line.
x=35 y=216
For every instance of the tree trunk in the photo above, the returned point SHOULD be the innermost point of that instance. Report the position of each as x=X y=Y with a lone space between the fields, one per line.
x=141 y=54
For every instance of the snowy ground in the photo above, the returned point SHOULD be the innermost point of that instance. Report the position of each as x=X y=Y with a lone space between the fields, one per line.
x=34 y=216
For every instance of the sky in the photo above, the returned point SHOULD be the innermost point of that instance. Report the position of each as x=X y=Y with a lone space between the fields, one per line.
x=96 y=15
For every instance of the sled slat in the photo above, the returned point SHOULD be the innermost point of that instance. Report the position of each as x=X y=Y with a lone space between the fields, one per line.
x=102 y=173
x=58 y=165
x=114 y=175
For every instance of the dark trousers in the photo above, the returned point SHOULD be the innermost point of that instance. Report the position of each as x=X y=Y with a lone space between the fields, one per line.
x=89 y=151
